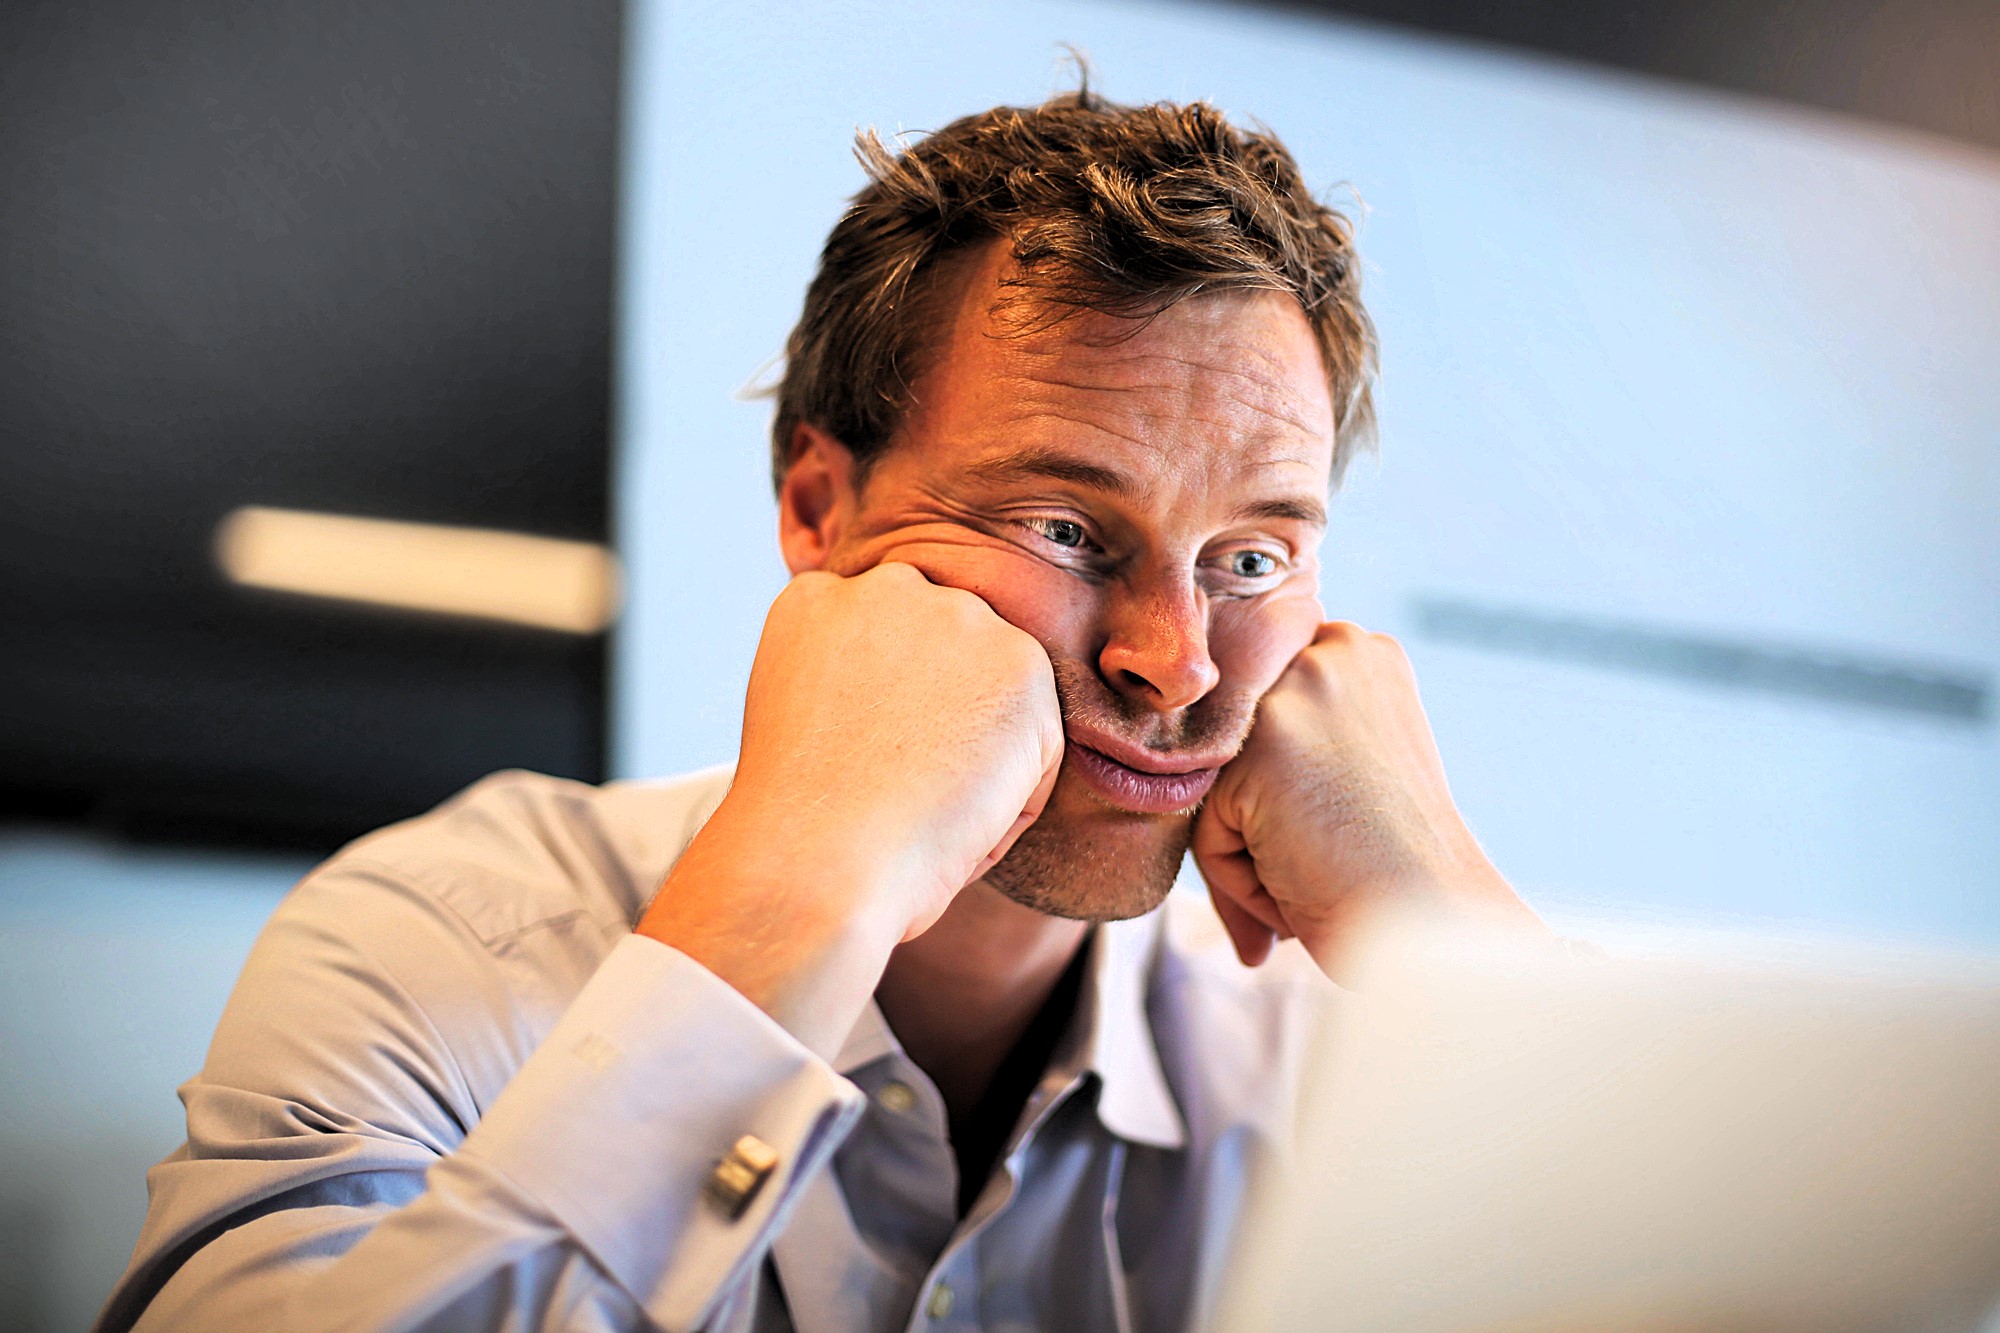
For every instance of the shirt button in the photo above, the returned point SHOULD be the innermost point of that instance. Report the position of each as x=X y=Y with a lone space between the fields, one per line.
x=898 y=1097
x=940 y=1302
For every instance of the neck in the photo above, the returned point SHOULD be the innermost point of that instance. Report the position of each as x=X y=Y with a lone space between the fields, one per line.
x=959 y=996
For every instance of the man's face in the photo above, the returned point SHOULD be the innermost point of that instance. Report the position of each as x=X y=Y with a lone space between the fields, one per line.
x=1148 y=504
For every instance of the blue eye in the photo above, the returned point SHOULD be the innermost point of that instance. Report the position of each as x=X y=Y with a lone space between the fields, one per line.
x=1062 y=531
x=1252 y=565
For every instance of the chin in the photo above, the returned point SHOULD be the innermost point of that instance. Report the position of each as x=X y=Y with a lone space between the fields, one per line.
x=1088 y=861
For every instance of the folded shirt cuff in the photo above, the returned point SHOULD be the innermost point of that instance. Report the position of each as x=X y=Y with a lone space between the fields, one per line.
x=617 y=1124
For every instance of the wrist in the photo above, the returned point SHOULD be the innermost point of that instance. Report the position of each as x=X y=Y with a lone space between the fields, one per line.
x=859 y=844
x=862 y=849
x=803 y=930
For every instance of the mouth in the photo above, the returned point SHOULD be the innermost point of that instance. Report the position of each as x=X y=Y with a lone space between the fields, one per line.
x=1141 y=781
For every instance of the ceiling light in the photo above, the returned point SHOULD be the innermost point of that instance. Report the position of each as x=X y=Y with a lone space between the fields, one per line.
x=546 y=582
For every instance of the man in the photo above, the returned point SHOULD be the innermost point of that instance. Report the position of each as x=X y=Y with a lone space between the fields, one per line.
x=901 y=1039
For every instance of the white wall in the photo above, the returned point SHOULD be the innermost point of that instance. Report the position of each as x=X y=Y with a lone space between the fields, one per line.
x=1652 y=354
x=114 y=965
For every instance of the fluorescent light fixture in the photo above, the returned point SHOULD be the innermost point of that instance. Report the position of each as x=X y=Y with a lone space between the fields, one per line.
x=552 y=584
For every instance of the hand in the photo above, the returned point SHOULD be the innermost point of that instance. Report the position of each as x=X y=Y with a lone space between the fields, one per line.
x=1336 y=812
x=897 y=738
x=909 y=719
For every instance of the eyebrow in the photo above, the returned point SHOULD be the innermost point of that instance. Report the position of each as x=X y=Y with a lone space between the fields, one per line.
x=1039 y=461
x=1300 y=511
x=1042 y=462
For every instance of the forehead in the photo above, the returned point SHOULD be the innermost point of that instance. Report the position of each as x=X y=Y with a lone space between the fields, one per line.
x=1220 y=389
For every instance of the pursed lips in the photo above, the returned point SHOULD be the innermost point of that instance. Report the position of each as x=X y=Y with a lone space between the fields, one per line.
x=1139 y=780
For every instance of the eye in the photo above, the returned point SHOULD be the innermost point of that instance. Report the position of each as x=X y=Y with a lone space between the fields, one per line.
x=1252 y=564
x=1065 y=532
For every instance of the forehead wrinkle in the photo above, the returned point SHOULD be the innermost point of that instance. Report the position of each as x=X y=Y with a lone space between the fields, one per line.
x=1121 y=357
x=1164 y=430
x=1283 y=417
x=1068 y=420
x=1260 y=394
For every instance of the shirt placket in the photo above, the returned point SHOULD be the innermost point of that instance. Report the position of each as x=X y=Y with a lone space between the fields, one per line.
x=949 y=1299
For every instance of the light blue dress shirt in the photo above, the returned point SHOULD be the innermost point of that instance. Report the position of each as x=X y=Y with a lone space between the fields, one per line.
x=453 y=1090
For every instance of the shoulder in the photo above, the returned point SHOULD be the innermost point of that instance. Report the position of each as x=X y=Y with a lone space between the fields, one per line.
x=460 y=936
x=517 y=851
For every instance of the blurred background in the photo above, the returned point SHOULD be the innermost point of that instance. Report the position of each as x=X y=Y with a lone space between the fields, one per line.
x=375 y=413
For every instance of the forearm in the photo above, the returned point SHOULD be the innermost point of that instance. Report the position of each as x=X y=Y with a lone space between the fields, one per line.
x=463 y=1256
x=799 y=921
x=582 y=1187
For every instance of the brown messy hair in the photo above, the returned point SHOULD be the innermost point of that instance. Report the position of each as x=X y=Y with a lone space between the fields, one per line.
x=1123 y=210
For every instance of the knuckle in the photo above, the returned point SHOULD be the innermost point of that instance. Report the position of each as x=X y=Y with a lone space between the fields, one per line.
x=1025 y=663
x=958 y=599
x=894 y=571
x=969 y=612
x=808 y=583
x=799 y=594
x=1032 y=658
x=1341 y=631
x=1397 y=656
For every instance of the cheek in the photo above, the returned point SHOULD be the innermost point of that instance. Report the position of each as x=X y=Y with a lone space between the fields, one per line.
x=1253 y=642
x=1056 y=607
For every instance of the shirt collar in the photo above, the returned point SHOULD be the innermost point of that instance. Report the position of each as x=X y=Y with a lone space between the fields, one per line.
x=1110 y=1035
x=1116 y=1035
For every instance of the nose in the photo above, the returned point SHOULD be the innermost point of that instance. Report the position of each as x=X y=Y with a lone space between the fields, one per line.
x=1156 y=648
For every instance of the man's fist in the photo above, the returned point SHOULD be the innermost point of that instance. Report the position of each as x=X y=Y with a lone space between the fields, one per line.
x=1337 y=811
x=897 y=737
x=907 y=719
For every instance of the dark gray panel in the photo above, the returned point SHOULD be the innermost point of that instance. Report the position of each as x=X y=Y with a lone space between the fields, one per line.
x=328 y=254
x=1927 y=64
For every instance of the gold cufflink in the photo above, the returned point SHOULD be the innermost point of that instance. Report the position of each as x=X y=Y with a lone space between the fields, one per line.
x=740 y=1175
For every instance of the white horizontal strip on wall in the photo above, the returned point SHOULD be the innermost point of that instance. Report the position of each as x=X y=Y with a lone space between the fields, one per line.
x=546 y=582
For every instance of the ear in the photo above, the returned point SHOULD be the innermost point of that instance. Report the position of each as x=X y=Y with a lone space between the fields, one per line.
x=816 y=500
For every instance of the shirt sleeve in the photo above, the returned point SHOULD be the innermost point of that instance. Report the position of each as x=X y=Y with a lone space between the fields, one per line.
x=341 y=1169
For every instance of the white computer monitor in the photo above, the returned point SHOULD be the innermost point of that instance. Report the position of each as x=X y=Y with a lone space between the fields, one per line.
x=1713 y=1137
